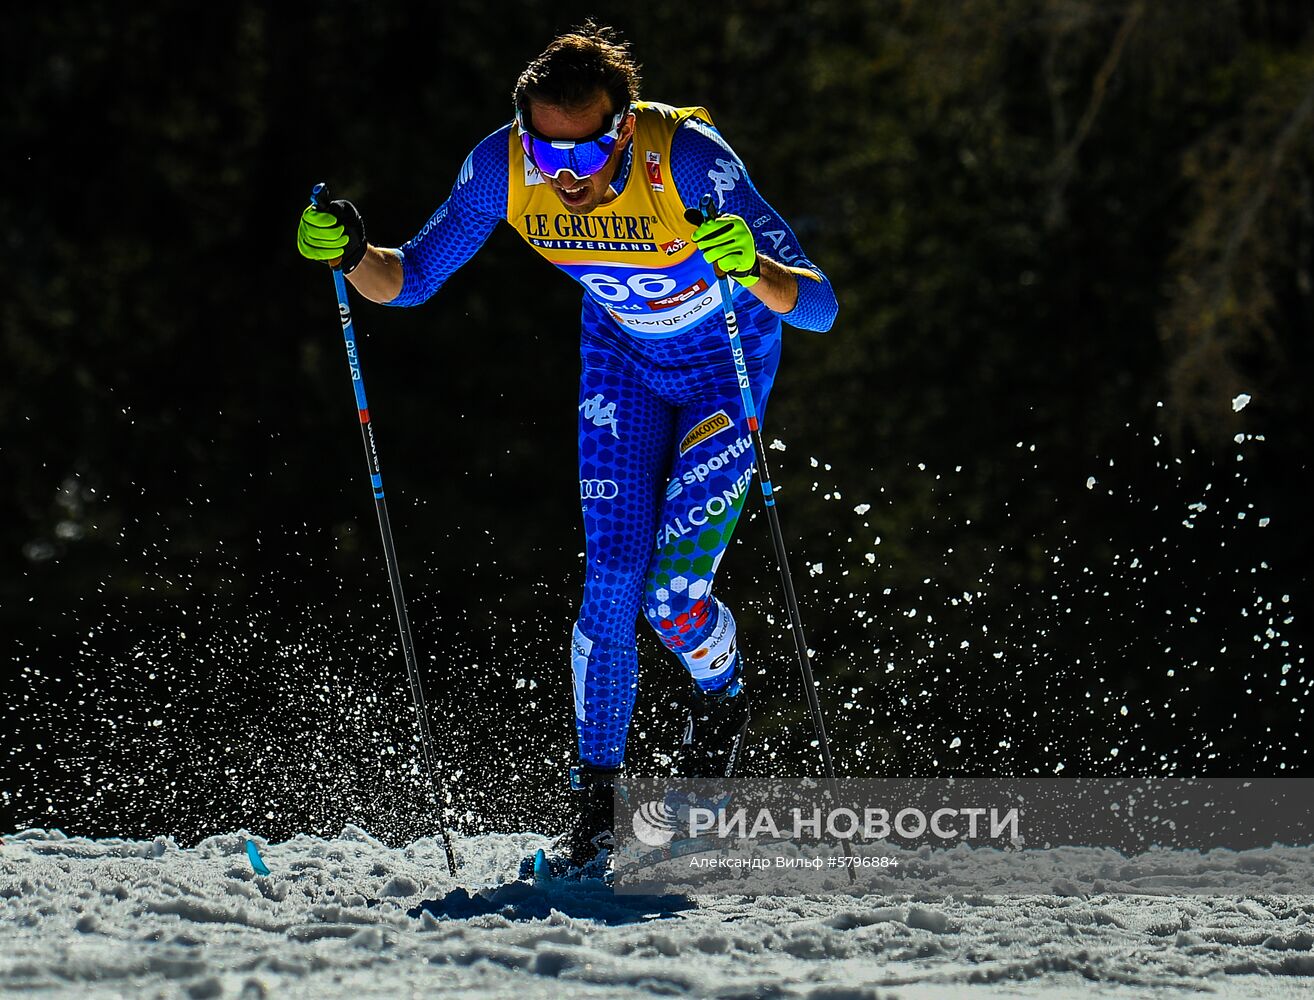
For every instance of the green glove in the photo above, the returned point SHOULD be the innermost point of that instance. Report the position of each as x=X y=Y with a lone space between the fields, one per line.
x=727 y=243
x=332 y=233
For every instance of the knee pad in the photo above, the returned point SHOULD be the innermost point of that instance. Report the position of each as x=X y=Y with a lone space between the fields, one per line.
x=605 y=682
x=716 y=654
x=580 y=648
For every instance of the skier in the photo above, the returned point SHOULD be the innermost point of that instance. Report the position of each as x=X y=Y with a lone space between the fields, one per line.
x=598 y=182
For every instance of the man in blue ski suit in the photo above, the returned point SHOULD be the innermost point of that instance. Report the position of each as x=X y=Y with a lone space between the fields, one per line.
x=598 y=182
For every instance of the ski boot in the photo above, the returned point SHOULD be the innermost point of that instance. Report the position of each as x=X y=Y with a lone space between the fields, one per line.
x=590 y=833
x=584 y=849
x=715 y=732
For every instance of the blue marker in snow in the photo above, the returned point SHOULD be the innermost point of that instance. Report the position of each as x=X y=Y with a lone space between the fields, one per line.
x=257 y=862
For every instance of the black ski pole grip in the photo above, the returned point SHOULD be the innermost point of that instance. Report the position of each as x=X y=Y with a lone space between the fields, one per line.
x=705 y=212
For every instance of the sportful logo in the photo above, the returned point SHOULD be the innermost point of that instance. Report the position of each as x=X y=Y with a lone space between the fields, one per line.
x=698 y=516
x=598 y=489
x=723 y=179
x=602 y=413
x=703 y=470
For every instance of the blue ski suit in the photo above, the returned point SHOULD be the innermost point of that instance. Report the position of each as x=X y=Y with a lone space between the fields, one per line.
x=665 y=457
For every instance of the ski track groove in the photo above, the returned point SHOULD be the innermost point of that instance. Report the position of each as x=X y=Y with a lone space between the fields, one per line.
x=119 y=918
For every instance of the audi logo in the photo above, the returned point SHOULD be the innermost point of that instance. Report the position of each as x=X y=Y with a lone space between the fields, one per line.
x=598 y=489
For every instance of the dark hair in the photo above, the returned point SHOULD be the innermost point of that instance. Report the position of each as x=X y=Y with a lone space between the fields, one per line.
x=576 y=66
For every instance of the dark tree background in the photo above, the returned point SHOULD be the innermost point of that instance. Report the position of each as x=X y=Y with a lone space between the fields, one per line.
x=1045 y=483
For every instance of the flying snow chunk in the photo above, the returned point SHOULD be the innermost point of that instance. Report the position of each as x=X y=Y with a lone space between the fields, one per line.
x=776 y=445
x=1090 y=482
x=1239 y=403
x=955 y=744
x=862 y=508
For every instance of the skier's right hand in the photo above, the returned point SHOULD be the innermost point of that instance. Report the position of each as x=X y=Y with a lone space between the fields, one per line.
x=334 y=234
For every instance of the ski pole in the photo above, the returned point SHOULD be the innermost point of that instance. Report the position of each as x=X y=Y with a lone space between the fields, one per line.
x=319 y=196
x=705 y=213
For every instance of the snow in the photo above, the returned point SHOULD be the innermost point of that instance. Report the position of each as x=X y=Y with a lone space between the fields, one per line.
x=118 y=918
x=121 y=918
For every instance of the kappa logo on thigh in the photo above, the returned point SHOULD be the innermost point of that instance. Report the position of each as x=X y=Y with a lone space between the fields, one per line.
x=601 y=413
x=708 y=428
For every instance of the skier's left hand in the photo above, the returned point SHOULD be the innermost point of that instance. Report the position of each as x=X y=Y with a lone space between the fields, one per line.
x=727 y=243
x=334 y=234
